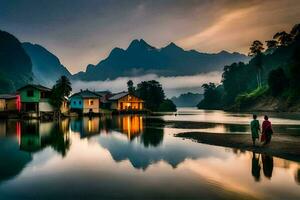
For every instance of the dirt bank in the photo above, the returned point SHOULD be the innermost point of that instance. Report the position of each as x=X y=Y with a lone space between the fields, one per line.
x=287 y=147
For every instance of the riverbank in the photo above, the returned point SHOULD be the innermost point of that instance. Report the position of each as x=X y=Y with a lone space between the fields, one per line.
x=283 y=146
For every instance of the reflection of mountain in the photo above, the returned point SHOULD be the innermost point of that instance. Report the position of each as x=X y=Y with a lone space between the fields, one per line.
x=140 y=155
x=31 y=136
x=12 y=159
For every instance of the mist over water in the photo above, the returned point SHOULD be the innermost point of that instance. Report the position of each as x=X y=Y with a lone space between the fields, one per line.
x=173 y=85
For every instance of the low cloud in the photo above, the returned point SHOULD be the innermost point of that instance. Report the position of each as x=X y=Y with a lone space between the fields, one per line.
x=173 y=85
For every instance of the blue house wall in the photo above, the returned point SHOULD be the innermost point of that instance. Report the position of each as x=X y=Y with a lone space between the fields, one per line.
x=76 y=102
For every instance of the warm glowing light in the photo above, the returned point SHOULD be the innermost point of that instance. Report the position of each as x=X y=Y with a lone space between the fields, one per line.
x=132 y=125
x=90 y=125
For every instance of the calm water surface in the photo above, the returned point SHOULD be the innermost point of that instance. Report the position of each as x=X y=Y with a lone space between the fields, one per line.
x=131 y=157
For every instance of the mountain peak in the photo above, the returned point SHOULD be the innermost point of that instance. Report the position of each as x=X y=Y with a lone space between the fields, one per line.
x=172 y=46
x=139 y=44
x=223 y=52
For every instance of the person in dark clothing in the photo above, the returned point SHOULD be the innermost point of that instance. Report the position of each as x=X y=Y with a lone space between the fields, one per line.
x=267 y=131
x=255 y=129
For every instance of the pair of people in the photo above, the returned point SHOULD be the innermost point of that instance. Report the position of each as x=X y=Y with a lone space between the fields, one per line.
x=266 y=132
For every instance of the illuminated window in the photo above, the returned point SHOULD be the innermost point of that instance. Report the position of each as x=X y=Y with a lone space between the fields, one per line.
x=91 y=102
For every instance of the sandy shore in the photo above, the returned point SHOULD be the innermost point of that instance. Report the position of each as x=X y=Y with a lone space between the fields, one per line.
x=287 y=147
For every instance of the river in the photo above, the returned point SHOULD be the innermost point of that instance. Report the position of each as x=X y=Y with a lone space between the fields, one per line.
x=134 y=157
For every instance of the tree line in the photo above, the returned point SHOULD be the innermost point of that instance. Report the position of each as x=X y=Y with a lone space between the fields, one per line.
x=153 y=95
x=274 y=70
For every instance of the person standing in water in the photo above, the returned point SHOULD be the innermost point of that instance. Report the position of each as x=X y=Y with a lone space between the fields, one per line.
x=255 y=128
x=267 y=131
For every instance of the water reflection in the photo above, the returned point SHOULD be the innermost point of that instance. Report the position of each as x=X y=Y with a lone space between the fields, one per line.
x=215 y=121
x=297 y=176
x=256 y=166
x=36 y=135
x=267 y=163
x=102 y=156
x=12 y=160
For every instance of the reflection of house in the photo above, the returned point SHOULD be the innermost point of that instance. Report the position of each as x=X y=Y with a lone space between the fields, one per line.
x=85 y=126
x=10 y=102
x=132 y=125
x=85 y=102
x=35 y=135
x=124 y=101
x=35 y=99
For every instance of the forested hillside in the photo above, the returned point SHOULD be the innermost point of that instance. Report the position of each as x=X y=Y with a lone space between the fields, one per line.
x=270 y=81
x=15 y=64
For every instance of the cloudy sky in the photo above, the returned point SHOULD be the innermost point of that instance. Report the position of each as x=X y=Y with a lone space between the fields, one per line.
x=80 y=32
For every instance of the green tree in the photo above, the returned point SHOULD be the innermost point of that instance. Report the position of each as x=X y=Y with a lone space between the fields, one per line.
x=294 y=69
x=130 y=86
x=256 y=51
x=60 y=90
x=277 y=81
x=212 y=97
x=235 y=79
x=295 y=32
x=167 y=106
x=152 y=93
x=283 y=38
x=272 y=45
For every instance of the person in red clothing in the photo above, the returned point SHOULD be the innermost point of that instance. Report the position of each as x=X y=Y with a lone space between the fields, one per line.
x=267 y=131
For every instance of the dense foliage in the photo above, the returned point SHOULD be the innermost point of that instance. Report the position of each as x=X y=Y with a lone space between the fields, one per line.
x=60 y=91
x=277 y=81
x=153 y=95
x=167 y=106
x=274 y=72
x=212 y=97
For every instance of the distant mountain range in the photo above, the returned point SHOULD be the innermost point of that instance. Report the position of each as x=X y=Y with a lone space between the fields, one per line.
x=46 y=67
x=22 y=63
x=140 y=58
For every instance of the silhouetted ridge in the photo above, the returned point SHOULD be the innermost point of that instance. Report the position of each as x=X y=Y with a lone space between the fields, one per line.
x=141 y=58
x=15 y=64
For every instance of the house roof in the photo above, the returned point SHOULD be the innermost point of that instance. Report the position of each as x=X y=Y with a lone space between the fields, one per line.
x=103 y=93
x=86 y=94
x=118 y=96
x=38 y=87
x=8 y=96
